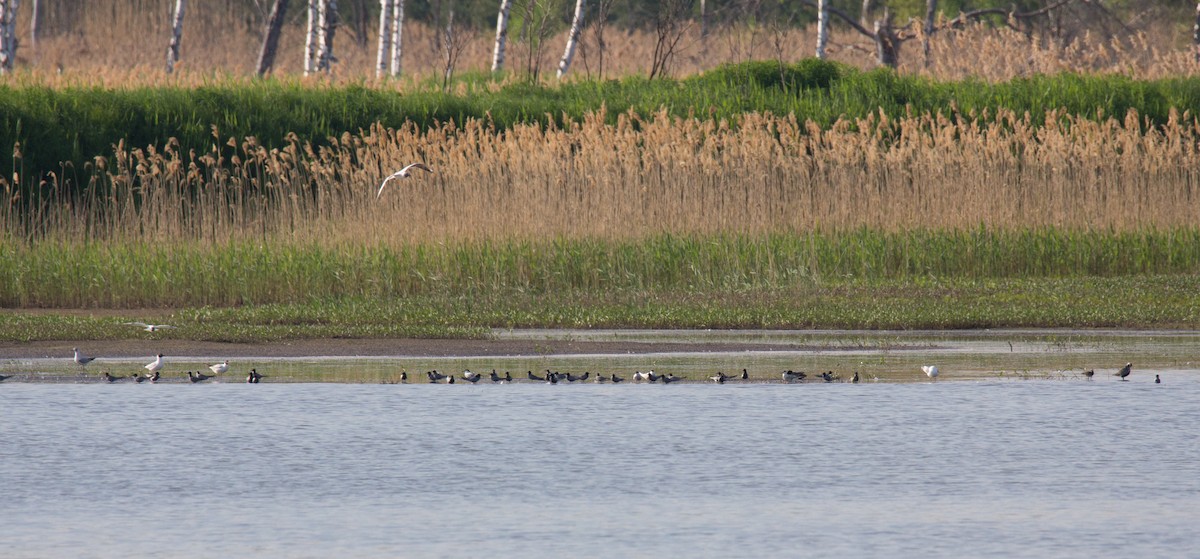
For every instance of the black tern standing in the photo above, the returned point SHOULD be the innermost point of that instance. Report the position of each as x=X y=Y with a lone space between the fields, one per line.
x=198 y=377
x=1157 y=380
x=253 y=377
x=5 y=377
x=745 y=375
x=111 y=378
x=1124 y=372
x=1088 y=373
x=616 y=378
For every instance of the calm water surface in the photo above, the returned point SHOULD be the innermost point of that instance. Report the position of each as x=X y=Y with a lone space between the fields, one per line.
x=1002 y=468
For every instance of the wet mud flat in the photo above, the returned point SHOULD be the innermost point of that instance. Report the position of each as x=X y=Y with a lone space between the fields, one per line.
x=693 y=355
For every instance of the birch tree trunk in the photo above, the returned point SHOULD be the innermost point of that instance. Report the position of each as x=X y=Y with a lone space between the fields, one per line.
x=822 y=27
x=868 y=9
x=572 y=39
x=329 y=21
x=266 y=55
x=310 y=39
x=1196 y=33
x=704 y=20
x=501 y=35
x=8 y=37
x=176 y=35
x=33 y=23
x=397 y=35
x=385 y=38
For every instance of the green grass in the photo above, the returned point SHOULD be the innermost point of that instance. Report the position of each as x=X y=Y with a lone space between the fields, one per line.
x=75 y=124
x=1084 y=302
x=858 y=279
x=171 y=275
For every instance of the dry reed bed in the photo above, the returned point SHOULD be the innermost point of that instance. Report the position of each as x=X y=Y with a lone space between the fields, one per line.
x=643 y=177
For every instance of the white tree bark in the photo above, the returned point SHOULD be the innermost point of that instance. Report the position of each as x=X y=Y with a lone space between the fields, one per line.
x=501 y=35
x=310 y=40
x=1196 y=34
x=397 y=35
x=572 y=39
x=8 y=38
x=822 y=27
x=327 y=18
x=33 y=23
x=385 y=38
x=176 y=35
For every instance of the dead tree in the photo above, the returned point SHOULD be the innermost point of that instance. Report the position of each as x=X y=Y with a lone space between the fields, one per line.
x=176 y=35
x=385 y=38
x=603 y=7
x=266 y=55
x=501 y=35
x=670 y=25
x=927 y=31
x=572 y=38
x=888 y=38
x=535 y=30
x=8 y=35
x=456 y=39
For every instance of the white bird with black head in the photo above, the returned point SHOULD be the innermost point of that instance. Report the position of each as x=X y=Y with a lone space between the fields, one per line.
x=404 y=173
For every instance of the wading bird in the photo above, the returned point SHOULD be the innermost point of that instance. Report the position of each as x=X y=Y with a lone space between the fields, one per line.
x=1124 y=372
x=149 y=327
x=930 y=371
x=81 y=359
x=404 y=173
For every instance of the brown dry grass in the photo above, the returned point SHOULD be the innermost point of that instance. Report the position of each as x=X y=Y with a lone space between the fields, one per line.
x=638 y=178
x=123 y=46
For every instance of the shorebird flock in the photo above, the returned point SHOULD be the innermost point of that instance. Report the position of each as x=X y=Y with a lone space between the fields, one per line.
x=220 y=372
